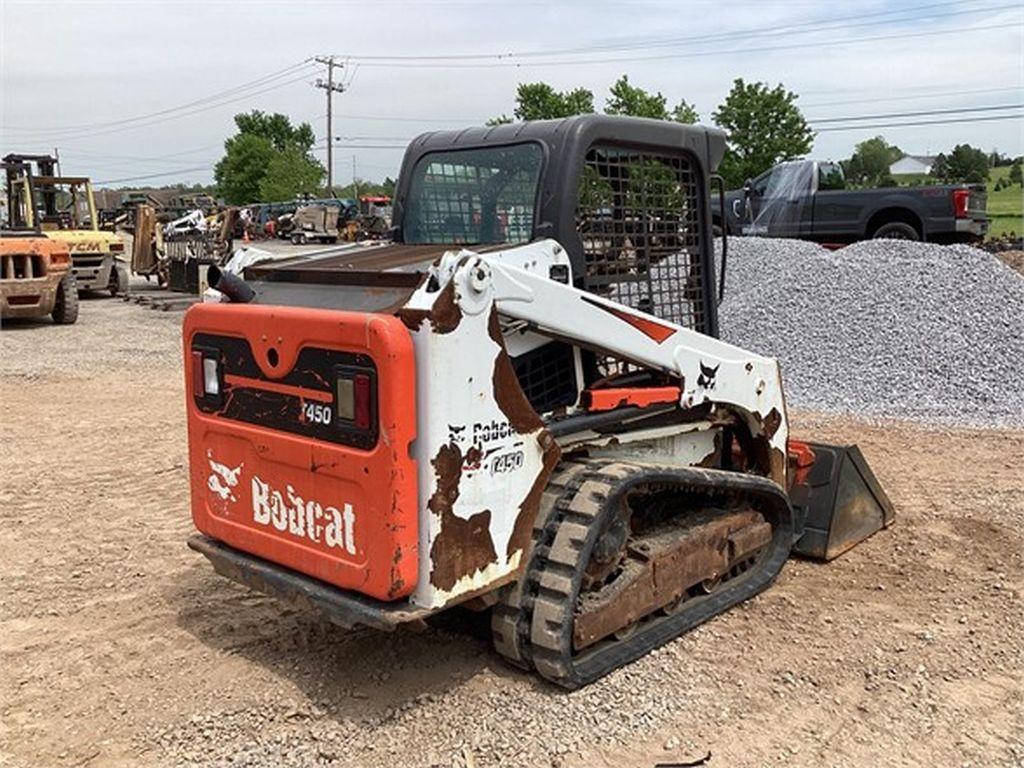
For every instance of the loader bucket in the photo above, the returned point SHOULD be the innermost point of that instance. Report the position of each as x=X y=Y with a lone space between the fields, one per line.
x=839 y=501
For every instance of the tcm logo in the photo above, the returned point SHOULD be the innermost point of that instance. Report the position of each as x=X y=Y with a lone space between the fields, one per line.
x=85 y=246
x=305 y=519
x=288 y=511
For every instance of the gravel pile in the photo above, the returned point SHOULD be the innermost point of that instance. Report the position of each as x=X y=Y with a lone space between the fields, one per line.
x=883 y=328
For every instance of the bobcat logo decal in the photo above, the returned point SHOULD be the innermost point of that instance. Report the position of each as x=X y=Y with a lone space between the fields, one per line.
x=706 y=380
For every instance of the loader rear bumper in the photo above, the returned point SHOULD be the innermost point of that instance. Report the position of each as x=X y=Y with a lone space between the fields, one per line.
x=341 y=607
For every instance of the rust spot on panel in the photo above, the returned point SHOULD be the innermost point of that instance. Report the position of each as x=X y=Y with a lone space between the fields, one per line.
x=413 y=318
x=444 y=316
x=523 y=525
x=463 y=547
x=507 y=392
x=474 y=456
x=714 y=459
x=771 y=423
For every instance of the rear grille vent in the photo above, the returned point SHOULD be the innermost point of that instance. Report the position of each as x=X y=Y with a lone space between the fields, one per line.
x=19 y=266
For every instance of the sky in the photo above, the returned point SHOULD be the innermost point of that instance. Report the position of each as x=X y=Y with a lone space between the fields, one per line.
x=127 y=90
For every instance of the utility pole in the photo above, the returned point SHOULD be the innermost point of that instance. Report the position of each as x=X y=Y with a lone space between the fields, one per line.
x=355 y=181
x=331 y=88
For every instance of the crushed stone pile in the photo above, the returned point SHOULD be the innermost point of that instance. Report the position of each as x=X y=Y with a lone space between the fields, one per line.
x=883 y=328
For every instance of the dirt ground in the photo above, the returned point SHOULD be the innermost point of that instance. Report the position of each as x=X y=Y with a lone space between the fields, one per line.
x=121 y=647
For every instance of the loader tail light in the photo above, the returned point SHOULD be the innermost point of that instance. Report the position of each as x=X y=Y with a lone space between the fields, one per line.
x=961 y=200
x=117 y=247
x=362 y=405
x=355 y=394
x=205 y=375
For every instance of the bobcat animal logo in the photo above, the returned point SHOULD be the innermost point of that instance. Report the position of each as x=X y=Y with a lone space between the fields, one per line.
x=222 y=478
x=706 y=380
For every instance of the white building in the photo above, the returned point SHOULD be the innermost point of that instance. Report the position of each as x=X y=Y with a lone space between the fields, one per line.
x=912 y=164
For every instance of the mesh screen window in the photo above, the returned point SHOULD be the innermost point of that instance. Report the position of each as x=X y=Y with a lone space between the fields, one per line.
x=638 y=216
x=474 y=196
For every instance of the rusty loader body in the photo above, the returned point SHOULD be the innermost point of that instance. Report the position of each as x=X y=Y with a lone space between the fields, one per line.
x=521 y=405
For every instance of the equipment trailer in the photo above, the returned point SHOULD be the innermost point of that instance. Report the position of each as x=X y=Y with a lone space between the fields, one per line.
x=521 y=405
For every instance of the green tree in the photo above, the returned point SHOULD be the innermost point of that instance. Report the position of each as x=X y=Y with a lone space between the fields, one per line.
x=631 y=100
x=869 y=165
x=685 y=113
x=1016 y=177
x=288 y=174
x=267 y=155
x=968 y=164
x=277 y=128
x=940 y=167
x=539 y=101
x=240 y=171
x=765 y=127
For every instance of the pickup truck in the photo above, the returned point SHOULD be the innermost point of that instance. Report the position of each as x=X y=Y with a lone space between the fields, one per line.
x=808 y=200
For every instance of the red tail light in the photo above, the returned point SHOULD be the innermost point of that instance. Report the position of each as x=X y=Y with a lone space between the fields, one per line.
x=961 y=199
x=363 y=395
x=355 y=392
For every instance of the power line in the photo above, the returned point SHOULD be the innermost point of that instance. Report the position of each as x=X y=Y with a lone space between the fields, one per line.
x=688 y=55
x=153 y=175
x=874 y=126
x=177 y=116
x=933 y=95
x=823 y=24
x=922 y=113
x=154 y=158
x=170 y=110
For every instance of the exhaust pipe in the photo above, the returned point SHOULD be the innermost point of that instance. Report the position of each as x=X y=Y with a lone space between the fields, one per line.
x=235 y=288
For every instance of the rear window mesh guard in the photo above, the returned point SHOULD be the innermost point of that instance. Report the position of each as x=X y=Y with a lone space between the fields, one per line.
x=638 y=217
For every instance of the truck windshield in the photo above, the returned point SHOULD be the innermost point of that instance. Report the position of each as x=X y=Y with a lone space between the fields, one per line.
x=473 y=196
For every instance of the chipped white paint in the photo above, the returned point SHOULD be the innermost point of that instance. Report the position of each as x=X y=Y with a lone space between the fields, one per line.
x=456 y=406
x=455 y=391
x=749 y=383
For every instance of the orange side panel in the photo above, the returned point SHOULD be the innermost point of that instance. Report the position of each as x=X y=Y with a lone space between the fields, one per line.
x=263 y=483
x=608 y=399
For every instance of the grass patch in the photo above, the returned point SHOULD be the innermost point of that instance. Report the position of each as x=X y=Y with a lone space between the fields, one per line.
x=1005 y=207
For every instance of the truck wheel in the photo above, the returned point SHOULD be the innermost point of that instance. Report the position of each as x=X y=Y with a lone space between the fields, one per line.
x=118 y=281
x=896 y=230
x=65 y=306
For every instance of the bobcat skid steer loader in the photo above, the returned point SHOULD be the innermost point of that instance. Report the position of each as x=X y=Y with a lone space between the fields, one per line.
x=520 y=405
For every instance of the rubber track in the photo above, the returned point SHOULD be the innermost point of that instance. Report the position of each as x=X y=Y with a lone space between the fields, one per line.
x=533 y=627
x=510 y=618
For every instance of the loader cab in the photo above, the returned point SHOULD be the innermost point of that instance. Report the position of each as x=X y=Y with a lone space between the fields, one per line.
x=627 y=197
